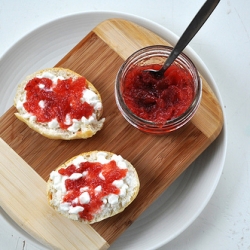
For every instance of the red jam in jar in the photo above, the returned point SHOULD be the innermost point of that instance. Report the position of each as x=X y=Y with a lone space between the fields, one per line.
x=158 y=99
x=157 y=104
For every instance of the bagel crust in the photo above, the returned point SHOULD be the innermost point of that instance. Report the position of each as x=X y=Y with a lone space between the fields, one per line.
x=87 y=196
x=81 y=128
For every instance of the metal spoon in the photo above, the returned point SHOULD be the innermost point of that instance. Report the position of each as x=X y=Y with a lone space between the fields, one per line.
x=200 y=18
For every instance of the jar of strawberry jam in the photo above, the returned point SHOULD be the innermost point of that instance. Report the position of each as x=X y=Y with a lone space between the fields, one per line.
x=157 y=104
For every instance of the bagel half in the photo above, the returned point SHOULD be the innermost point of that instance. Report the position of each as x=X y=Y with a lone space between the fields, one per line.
x=92 y=186
x=70 y=127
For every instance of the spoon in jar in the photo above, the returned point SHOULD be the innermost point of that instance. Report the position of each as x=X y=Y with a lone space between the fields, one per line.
x=198 y=21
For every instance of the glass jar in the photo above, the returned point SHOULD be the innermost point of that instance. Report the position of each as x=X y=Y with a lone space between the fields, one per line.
x=157 y=54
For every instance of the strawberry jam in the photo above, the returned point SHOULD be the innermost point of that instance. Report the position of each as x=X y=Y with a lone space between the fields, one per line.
x=158 y=99
x=96 y=175
x=58 y=100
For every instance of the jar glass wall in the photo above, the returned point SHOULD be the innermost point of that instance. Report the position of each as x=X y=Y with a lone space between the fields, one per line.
x=156 y=55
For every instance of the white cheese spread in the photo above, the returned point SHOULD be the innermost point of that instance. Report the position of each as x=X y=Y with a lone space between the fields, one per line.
x=76 y=125
x=109 y=201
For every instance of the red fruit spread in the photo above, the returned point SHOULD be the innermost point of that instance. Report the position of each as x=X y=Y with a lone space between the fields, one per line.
x=110 y=171
x=158 y=99
x=59 y=100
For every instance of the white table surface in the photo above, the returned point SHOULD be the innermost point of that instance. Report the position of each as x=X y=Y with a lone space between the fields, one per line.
x=224 y=46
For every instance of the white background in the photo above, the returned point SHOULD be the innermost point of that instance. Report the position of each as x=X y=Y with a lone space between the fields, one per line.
x=224 y=46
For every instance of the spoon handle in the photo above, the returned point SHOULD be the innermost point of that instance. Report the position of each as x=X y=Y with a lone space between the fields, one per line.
x=197 y=22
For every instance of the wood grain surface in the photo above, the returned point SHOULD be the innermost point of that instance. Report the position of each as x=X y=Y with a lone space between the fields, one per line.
x=24 y=199
x=159 y=160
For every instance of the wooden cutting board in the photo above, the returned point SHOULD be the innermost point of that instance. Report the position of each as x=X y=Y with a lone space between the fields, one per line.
x=27 y=158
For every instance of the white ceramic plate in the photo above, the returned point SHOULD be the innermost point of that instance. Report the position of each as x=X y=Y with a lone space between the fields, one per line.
x=184 y=200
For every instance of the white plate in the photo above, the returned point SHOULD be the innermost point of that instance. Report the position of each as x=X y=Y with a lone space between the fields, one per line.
x=184 y=200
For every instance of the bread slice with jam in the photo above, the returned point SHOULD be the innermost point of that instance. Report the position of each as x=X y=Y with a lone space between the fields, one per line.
x=92 y=186
x=59 y=104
